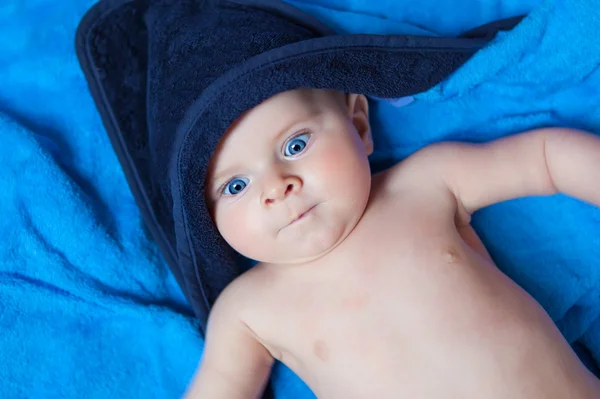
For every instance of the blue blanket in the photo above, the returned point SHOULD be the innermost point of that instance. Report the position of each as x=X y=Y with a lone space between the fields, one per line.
x=88 y=306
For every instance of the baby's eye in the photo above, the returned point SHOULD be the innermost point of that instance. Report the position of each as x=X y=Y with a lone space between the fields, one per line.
x=296 y=145
x=235 y=186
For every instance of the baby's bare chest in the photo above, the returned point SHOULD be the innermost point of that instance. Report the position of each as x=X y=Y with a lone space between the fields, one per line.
x=399 y=324
x=399 y=307
x=390 y=302
x=393 y=319
x=383 y=292
x=399 y=273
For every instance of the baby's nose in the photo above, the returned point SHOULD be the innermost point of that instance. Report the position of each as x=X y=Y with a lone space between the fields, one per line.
x=280 y=188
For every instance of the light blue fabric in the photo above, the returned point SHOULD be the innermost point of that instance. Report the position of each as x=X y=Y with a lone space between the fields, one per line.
x=88 y=307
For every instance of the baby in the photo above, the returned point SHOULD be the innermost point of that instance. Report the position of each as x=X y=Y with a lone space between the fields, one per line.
x=342 y=251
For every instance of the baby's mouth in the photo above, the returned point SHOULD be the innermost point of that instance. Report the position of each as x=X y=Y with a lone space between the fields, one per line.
x=301 y=216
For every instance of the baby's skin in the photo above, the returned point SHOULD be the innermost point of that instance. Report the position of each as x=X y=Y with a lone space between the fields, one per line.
x=377 y=286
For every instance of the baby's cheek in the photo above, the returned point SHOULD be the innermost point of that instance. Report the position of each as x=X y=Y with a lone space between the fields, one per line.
x=240 y=227
x=330 y=162
x=340 y=166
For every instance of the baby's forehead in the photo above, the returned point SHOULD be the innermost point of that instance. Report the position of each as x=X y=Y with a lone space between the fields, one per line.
x=276 y=115
x=288 y=104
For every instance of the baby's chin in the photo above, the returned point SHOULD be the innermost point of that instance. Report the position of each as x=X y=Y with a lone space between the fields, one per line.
x=304 y=250
x=296 y=259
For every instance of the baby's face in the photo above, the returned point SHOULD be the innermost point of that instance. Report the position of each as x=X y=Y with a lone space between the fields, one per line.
x=291 y=179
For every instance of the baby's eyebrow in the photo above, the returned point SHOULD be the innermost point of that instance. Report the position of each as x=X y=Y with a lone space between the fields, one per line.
x=214 y=181
x=291 y=125
x=212 y=188
x=296 y=124
x=217 y=179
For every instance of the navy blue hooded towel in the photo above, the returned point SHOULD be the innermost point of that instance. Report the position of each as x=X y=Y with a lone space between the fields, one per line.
x=168 y=77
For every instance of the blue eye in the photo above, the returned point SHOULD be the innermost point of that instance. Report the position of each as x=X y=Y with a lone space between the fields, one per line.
x=296 y=145
x=235 y=186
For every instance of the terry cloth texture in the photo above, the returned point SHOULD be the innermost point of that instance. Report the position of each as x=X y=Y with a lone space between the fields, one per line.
x=161 y=71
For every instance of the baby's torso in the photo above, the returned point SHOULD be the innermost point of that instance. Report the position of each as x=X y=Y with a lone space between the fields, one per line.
x=405 y=308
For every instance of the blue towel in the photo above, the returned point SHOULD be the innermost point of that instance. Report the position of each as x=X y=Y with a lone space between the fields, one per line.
x=88 y=307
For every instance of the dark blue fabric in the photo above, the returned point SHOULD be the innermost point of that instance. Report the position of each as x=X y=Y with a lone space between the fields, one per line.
x=160 y=72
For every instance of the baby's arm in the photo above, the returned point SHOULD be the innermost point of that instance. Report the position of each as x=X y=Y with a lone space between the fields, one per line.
x=234 y=363
x=538 y=162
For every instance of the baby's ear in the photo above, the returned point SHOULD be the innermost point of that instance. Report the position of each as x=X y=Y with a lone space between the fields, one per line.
x=358 y=108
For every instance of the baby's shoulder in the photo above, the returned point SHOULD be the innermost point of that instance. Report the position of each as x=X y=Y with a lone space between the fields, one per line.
x=240 y=288
x=415 y=187
x=420 y=173
x=242 y=295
